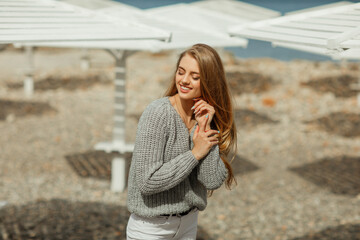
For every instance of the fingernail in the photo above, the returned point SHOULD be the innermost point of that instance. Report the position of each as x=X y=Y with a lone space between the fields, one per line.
x=218 y=131
x=207 y=115
x=193 y=107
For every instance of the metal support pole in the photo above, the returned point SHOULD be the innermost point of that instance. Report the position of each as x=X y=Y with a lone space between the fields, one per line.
x=118 y=174
x=118 y=144
x=29 y=81
x=358 y=95
x=120 y=102
x=118 y=164
x=85 y=60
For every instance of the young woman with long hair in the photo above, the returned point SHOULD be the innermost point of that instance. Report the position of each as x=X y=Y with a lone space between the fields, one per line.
x=181 y=150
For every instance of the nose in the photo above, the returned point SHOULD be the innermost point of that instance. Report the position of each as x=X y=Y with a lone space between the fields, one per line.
x=185 y=79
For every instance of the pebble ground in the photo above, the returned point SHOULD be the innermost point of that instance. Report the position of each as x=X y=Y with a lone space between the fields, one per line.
x=269 y=202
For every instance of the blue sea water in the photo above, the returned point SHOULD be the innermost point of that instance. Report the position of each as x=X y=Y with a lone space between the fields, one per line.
x=256 y=48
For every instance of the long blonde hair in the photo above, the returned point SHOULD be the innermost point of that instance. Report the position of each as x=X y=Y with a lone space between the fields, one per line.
x=214 y=90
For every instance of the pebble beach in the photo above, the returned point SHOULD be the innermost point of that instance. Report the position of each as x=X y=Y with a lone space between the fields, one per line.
x=297 y=165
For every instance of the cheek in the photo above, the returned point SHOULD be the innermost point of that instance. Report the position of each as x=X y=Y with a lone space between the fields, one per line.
x=196 y=85
x=177 y=78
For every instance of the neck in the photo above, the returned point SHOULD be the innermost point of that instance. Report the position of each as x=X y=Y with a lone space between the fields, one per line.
x=184 y=106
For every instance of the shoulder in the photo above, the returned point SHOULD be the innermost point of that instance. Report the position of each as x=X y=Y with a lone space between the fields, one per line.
x=159 y=108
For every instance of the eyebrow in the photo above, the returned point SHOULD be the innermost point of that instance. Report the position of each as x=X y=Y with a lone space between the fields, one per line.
x=190 y=72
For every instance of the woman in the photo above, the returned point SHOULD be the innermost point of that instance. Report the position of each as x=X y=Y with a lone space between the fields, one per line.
x=180 y=150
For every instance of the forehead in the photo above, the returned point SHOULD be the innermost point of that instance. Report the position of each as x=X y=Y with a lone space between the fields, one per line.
x=189 y=64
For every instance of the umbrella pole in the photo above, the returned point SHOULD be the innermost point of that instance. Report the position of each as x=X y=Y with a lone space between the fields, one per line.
x=29 y=81
x=85 y=60
x=358 y=95
x=118 y=144
x=118 y=166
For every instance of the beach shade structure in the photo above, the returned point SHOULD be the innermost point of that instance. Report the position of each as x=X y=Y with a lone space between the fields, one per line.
x=197 y=18
x=349 y=54
x=324 y=6
x=336 y=28
x=97 y=4
x=183 y=36
x=333 y=31
x=50 y=20
x=26 y=21
x=241 y=10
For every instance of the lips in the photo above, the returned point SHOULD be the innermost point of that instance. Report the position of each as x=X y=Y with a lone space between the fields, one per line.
x=184 y=89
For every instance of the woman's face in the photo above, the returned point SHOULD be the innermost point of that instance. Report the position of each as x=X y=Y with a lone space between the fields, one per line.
x=188 y=78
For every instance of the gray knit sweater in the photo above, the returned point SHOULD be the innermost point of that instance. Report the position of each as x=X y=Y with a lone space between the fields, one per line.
x=165 y=177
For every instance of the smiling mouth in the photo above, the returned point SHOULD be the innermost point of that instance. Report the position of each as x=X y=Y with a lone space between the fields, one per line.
x=185 y=88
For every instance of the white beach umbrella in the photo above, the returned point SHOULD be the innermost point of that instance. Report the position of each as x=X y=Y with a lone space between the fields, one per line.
x=332 y=28
x=333 y=31
x=49 y=20
x=241 y=10
x=34 y=21
x=324 y=6
x=197 y=18
x=349 y=54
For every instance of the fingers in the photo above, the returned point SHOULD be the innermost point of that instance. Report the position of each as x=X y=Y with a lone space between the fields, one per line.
x=197 y=129
x=201 y=106
x=213 y=141
x=204 y=123
x=211 y=133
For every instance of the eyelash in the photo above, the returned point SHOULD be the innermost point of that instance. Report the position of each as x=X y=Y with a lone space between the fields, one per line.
x=180 y=73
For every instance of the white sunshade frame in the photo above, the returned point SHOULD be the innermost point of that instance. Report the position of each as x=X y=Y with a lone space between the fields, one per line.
x=197 y=18
x=334 y=28
x=350 y=54
x=242 y=10
x=182 y=36
x=48 y=20
x=324 y=6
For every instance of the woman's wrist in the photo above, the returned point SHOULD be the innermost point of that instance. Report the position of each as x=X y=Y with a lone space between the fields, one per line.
x=196 y=155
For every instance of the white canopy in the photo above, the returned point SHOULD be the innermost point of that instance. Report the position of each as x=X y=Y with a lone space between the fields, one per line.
x=350 y=54
x=242 y=10
x=324 y=6
x=48 y=20
x=197 y=18
x=332 y=28
x=182 y=36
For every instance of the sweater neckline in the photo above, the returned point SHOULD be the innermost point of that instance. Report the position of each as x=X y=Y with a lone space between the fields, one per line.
x=179 y=117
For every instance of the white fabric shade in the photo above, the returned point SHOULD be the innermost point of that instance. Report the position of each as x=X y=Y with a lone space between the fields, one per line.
x=242 y=10
x=324 y=6
x=197 y=18
x=182 y=36
x=48 y=20
x=350 y=54
x=332 y=28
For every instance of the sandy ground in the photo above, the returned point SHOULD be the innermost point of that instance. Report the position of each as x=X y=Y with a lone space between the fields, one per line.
x=270 y=201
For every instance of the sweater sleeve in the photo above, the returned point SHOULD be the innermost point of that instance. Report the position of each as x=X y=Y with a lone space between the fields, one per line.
x=211 y=170
x=153 y=175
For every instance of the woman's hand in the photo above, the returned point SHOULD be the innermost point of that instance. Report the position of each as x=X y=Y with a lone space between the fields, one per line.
x=201 y=110
x=203 y=139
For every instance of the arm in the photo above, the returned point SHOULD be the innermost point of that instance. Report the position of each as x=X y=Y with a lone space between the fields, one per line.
x=153 y=175
x=211 y=170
